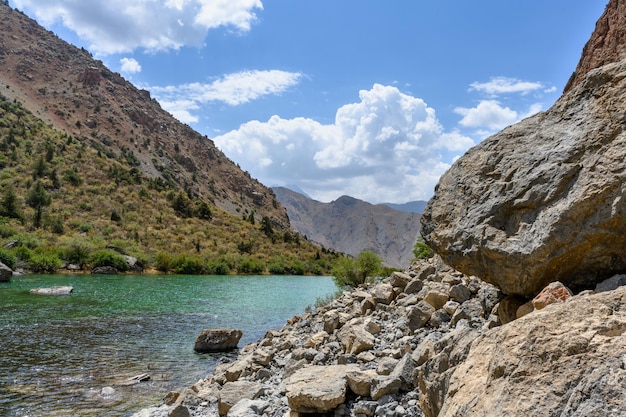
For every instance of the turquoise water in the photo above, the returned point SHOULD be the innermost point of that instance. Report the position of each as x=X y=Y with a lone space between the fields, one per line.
x=57 y=353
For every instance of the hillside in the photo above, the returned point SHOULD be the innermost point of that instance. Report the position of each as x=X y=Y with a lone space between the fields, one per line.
x=352 y=226
x=91 y=167
x=76 y=94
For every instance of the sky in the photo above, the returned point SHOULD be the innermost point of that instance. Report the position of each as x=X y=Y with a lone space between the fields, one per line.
x=368 y=98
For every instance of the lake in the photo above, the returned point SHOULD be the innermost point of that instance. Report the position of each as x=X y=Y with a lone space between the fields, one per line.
x=57 y=353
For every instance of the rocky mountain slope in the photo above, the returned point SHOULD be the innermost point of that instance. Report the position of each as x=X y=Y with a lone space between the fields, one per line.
x=352 y=226
x=77 y=94
x=93 y=170
x=541 y=201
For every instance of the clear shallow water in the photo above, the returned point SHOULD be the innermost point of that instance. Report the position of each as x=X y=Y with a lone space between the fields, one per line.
x=58 y=353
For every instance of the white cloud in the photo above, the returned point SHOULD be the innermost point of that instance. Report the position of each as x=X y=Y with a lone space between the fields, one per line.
x=232 y=89
x=130 y=66
x=121 y=26
x=488 y=113
x=389 y=146
x=505 y=85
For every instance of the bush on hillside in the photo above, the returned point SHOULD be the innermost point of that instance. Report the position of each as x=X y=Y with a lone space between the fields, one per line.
x=107 y=257
x=8 y=259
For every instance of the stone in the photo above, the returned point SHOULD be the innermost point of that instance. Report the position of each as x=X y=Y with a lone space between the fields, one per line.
x=5 y=273
x=507 y=308
x=576 y=368
x=359 y=381
x=469 y=310
x=217 y=340
x=399 y=279
x=555 y=292
x=383 y=293
x=419 y=314
x=611 y=284
x=450 y=307
x=489 y=297
x=460 y=293
x=414 y=286
x=233 y=392
x=317 y=389
x=104 y=270
x=436 y=298
x=543 y=200
x=439 y=318
x=179 y=411
x=355 y=338
x=56 y=290
x=248 y=408
x=525 y=309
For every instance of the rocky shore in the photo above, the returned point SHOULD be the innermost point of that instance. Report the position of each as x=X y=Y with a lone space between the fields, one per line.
x=406 y=347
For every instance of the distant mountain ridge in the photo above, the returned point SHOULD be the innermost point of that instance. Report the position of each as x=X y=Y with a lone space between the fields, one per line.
x=351 y=226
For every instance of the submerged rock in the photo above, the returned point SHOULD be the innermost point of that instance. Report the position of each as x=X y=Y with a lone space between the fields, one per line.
x=56 y=290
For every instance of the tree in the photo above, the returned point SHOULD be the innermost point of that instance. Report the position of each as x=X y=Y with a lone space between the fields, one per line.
x=266 y=226
x=349 y=272
x=37 y=198
x=10 y=206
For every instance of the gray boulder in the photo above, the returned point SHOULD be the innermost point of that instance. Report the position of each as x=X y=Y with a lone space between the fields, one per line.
x=217 y=340
x=543 y=200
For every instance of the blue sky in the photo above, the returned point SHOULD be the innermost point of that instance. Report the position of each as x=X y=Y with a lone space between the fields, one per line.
x=365 y=98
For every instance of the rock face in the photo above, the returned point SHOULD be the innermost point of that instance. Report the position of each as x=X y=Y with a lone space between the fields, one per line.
x=217 y=340
x=543 y=200
x=606 y=44
x=565 y=360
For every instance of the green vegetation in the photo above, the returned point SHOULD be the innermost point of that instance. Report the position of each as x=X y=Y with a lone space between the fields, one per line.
x=421 y=250
x=348 y=272
x=68 y=199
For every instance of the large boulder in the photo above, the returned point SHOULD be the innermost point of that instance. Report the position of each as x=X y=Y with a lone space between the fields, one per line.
x=217 y=340
x=318 y=389
x=544 y=200
x=567 y=359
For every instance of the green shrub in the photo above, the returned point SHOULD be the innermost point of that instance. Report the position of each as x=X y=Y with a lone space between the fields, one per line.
x=349 y=272
x=276 y=268
x=76 y=252
x=8 y=259
x=250 y=266
x=163 y=262
x=421 y=250
x=217 y=268
x=43 y=262
x=107 y=257
x=189 y=265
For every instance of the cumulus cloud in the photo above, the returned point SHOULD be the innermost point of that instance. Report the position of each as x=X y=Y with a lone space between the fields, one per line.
x=388 y=146
x=505 y=85
x=129 y=66
x=233 y=89
x=488 y=113
x=120 y=26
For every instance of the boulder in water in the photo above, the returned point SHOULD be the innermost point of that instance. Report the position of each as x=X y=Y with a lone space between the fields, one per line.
x=56 y=290
x=217 y=340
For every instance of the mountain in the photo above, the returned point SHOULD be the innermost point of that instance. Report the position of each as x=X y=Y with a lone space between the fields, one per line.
x=410 y=207
x=352 y=226
x=91 y=167
x=76 y=94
